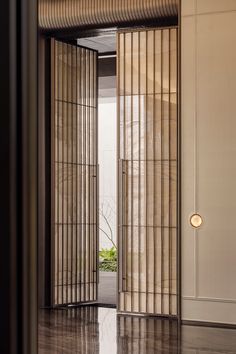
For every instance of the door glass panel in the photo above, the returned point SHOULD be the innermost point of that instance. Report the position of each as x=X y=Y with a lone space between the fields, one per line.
x=147 y=120
x=74 y=174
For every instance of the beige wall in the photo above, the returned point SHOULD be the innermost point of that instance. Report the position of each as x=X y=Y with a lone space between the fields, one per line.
x=209 y=159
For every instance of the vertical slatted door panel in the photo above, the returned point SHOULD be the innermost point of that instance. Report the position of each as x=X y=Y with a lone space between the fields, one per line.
x=74 y=173
x=147 y=124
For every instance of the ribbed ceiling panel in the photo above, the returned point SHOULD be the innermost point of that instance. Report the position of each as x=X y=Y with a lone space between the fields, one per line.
x=62 y=14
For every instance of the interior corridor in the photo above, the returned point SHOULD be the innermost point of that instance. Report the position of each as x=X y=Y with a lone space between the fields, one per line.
x=92 y=329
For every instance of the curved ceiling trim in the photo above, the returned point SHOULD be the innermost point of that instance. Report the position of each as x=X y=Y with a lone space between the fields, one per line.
x=65 y=14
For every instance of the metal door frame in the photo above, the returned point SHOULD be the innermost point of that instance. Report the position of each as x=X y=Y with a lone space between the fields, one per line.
x=84 y=171
x=70 y=37
x=178 y=182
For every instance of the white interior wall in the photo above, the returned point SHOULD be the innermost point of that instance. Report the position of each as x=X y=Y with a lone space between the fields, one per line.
x=208 y=106
x=107 y=159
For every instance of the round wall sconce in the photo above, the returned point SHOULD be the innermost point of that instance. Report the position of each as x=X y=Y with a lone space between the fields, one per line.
x=196 y=220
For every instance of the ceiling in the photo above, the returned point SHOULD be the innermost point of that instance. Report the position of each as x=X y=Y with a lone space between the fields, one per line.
x=69 y=14
x=103 y=43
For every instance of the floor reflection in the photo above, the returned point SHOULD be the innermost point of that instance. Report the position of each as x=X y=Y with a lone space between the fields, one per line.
x=91 y=329
x=140 y=335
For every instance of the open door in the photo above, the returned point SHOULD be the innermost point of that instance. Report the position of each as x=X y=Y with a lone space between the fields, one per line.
x=147 y=124
x=74 y=174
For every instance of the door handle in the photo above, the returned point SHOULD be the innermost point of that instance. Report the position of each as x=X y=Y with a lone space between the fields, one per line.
x=97 y=216
x=121 y=227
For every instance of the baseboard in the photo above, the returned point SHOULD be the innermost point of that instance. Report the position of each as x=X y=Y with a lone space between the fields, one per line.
x=208 y=324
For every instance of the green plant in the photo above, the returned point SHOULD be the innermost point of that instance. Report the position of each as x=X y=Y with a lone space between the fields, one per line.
x=108 y=260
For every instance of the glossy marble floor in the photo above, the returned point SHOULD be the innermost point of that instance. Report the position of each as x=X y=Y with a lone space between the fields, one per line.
x=99 y=330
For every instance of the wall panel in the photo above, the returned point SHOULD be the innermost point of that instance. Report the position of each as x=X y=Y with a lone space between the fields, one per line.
x=208 y=161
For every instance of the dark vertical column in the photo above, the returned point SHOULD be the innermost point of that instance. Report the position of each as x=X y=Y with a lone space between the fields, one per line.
x=44 y=173
x=18 y=178
x=28 y=90
x=9 y=203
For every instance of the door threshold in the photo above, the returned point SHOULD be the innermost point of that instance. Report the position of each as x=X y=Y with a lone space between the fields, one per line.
x=148 y=315
x=101 y=304
x=89 y=304
x=84 y=304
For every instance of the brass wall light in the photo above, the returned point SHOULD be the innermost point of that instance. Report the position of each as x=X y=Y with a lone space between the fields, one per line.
x=196 y=220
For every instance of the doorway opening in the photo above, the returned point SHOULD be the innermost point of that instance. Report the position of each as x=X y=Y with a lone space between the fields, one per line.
x=105 y=45
x=144 y=169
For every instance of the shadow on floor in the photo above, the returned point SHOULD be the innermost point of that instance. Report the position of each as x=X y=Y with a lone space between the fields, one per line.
x=91 y=329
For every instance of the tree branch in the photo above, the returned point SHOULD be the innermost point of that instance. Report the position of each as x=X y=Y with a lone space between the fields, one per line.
x=110 y=239
x=107 y=222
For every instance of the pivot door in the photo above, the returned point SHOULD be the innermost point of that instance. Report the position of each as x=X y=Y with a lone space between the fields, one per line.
x=147 y=124
x=74 y=174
